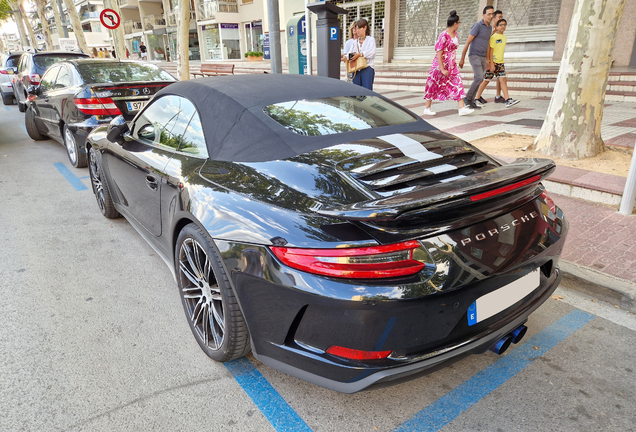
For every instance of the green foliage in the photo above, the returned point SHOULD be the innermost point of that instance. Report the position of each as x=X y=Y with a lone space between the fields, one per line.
x=253 y=54
x=5 y=10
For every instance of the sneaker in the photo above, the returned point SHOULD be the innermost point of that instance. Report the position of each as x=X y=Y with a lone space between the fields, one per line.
x=471 y=104
x=481 y=100
x=465 y=111
x=478 y=103
x=510 y=102
x=429 y=111
x=500 y=99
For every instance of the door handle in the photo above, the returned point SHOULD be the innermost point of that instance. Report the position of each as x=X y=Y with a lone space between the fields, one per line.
x=151 y=181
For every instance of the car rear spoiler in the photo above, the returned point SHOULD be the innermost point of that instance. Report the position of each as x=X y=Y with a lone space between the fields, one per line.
x=520 y=177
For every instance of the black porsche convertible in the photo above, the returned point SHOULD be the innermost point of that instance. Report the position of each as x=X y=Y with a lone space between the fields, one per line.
x=335 y=234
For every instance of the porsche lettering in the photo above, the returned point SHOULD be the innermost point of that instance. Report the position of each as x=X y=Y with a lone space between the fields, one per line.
x=504 y=227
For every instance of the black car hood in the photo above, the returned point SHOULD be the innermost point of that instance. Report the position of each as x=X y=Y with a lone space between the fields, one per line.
x=383 y=178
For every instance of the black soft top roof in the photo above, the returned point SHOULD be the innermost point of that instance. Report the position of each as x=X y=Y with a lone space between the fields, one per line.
x=236 y=128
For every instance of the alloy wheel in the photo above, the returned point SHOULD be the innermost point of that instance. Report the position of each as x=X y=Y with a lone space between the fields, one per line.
x=201 y=294
x=96 y=180
x=69 y=142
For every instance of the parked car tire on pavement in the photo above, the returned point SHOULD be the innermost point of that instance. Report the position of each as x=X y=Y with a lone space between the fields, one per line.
x=208 y=299
x=7 y=99
x=76 y=155
x=32 y=129
x=100 y=189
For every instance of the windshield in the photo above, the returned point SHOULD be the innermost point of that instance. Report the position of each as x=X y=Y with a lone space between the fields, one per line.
x=337 y=114
x=115 y=72
x=42 y=62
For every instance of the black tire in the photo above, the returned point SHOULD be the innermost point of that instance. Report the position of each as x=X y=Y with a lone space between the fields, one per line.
x=75 y=154
x=32 y=127
x=21 y=106
x=100 y=188
x=7 y=99
x=208 y=298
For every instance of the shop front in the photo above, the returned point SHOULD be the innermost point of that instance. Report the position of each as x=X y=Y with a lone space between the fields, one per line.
x=221 y=41
x=156 y=46
x=194 y=52
x=254 y=36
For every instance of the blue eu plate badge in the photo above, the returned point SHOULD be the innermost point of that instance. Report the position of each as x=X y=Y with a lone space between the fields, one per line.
x=472 y=314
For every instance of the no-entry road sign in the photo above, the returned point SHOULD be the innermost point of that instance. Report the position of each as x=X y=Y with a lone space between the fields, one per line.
x=110 y=19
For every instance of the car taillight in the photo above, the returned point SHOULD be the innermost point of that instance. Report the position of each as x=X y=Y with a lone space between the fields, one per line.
x=97 y=106
x=394 y=260
x=4 y=72
x=505 y=189
x=549 y=202
x=357 y=354
x=33 y=79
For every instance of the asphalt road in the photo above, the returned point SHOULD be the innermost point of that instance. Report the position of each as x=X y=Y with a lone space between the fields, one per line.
x=93 y=338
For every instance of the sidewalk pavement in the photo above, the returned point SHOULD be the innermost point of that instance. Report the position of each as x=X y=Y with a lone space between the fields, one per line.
x=599 y=256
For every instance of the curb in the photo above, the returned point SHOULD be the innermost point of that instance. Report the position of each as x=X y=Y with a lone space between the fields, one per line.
x=619 y=292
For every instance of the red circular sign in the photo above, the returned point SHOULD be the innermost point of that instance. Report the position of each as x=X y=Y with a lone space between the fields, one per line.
x=110 y=19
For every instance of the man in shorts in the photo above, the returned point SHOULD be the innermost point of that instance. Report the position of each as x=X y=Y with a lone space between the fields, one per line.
x=144 y=51
x=496 y=68
x=478 y=55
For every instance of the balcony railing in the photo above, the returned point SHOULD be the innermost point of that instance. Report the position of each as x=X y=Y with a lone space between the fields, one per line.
x=172 y=18
x=154 y=22
x=89 y=15
x=208 y=9
x=132 y=27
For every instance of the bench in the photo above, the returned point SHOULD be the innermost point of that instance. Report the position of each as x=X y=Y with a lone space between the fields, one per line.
x=215 y=69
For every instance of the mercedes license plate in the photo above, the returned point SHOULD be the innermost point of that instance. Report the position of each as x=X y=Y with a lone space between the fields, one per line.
x=135 y=106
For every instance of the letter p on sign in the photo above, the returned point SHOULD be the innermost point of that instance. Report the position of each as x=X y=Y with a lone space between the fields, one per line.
x=333 y=33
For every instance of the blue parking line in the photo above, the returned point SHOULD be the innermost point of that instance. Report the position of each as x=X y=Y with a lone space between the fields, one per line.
x=70 y=177
x=272 y=405
x=448 y=407
x=7 y=108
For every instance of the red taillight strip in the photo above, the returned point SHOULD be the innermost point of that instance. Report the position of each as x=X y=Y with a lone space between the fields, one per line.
x=309 y=260
x=505 y=189
x=97 y=106
x=357 y=354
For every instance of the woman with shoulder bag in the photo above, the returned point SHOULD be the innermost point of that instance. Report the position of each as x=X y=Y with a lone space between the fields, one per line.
x=348 y=49
x=364 y=47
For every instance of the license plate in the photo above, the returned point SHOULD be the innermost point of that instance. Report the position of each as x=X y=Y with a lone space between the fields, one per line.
x=135 y=106
x=494 y=302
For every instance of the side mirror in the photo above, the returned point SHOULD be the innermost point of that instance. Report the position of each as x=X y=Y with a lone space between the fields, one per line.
x=33 y=90
x=116 y=128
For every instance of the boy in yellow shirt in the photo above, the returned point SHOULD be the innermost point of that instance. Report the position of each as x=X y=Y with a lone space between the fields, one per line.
x=496 y=63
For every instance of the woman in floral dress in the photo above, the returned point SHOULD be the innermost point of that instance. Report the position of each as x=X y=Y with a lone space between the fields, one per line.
x=444 y=82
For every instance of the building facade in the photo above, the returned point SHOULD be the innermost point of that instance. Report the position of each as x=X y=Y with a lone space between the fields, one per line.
x=405 y=30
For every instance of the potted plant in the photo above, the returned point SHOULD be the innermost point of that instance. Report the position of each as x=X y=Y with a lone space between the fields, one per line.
x=254 y=56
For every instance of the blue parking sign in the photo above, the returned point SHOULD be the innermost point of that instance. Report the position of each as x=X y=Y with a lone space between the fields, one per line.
x=333 y=33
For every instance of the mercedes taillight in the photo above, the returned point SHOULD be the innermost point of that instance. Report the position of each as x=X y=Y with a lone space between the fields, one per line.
x=97 y=106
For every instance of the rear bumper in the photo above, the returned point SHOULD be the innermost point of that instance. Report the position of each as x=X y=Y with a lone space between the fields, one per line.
x=419 y=365
x=6 y=88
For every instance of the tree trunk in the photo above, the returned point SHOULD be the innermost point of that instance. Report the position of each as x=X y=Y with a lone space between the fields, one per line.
x=3 y=47
x=17 y=17
x=183 y=39
x=27 y=23
x=58 y=20
x=572 y=127
x=41 y=5
x=77 y=25
x=118 y=33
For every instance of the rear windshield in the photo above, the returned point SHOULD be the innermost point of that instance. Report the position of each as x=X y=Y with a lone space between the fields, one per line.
x=13 y=61
x=339 y=114
x=43 y=62
x=116 y=72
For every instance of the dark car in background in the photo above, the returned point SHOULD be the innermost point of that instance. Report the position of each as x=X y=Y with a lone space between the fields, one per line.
x=8 y=67
x=32 y=66
x=339 y=236
x=75 y=96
